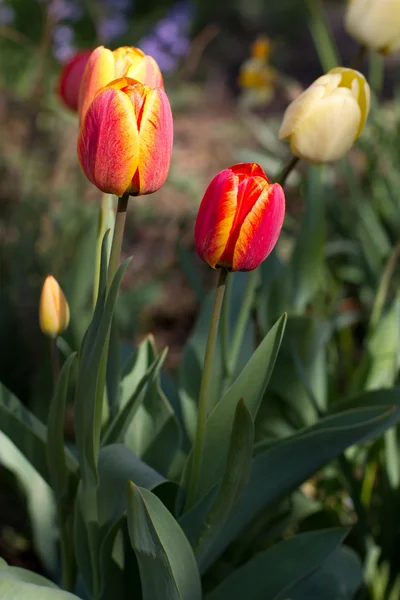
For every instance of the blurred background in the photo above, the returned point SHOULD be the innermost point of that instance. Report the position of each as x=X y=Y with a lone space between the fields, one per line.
x=230 y=70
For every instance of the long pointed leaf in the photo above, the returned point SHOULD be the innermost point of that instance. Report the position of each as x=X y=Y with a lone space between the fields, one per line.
x=166 y=562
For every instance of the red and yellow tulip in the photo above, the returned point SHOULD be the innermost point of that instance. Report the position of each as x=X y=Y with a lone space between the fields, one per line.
x=239 y=219
x=125 y=141
x=70 y=79
x=104 y=66
x=53 y=308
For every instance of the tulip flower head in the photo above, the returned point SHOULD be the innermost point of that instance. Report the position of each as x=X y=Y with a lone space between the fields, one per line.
x=104 y=66
x=323 y=123
x=53 y=308
x=70 y=78
x=239 y=219
x=125 y=142
x=375 y=24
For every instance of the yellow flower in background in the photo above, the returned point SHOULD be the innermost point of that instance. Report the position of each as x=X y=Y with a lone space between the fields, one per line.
x=375 y=24
x=322 y=124
x=256 y=77
x=261 y=48
x=53 y=308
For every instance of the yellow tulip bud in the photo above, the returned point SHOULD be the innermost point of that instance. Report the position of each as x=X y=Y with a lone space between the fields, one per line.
x=323 y=123
x=53 y=308
x=375 y=24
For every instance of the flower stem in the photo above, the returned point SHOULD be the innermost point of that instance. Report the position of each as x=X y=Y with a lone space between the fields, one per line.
x=202 y=413
x=287 y=169
x=358 y=58
x=67 y=552
x=55 y=360
x=116 y=246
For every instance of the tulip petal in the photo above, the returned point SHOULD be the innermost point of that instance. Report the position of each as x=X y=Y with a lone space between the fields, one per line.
x=98 y=73
x=375 y=23
x=300 y=109
x=260 y=229
x=349 y=78
x=108 y=142
x=155 y=141
x=147 y=72
x=216 y=216
x=71 y=78
x=329 y=131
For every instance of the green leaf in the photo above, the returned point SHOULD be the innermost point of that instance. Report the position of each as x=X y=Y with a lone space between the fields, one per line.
x=21 y=584
x=29 y=434
x=113 y=369
x=305 y=342
x=39 y=501
x=191 y=366
x=308 y=256
x=58 y=471
x=154 y=433
x=234 y=480
x=338 y=578
x=273 y=574
x=119 y=426
x=384 y=349
x=89 y=399
x=280 y=467
x=324 y=41
x=273 y=298
x=117 y=466
x=166 y=561
x=250 y=385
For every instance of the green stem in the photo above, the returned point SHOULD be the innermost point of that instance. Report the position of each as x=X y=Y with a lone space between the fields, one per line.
x=116 y=245
x=284 y=174
x=225 y=320
x=243 y=318
x=358 y=58
x=67 y=552
x=203 y=407
x=113 y=264
x=55 y=360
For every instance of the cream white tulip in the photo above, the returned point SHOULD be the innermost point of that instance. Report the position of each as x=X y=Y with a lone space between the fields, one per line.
x=322 y=124
x=375 y=23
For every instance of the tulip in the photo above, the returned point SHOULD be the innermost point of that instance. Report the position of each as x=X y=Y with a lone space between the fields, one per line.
x=104 y=66
x=70 y=79
x=53 y=308
x=375 y=24
x=125 y=142
x=239 y=219
x=323 y=123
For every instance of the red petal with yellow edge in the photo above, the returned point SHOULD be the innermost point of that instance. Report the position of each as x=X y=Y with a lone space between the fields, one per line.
x=154 y=119
x=108 y=145
x=260 y=229
x=98 y=73
x=216 y=216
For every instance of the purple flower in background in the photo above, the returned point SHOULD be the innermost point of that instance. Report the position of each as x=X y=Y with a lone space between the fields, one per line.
x=65 y=10
x=64 y=13
x=7 y=14
x=63 y=42
x=169 y=40
x=109 y=28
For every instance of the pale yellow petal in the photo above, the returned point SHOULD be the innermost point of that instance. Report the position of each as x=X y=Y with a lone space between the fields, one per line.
x=329 y=131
